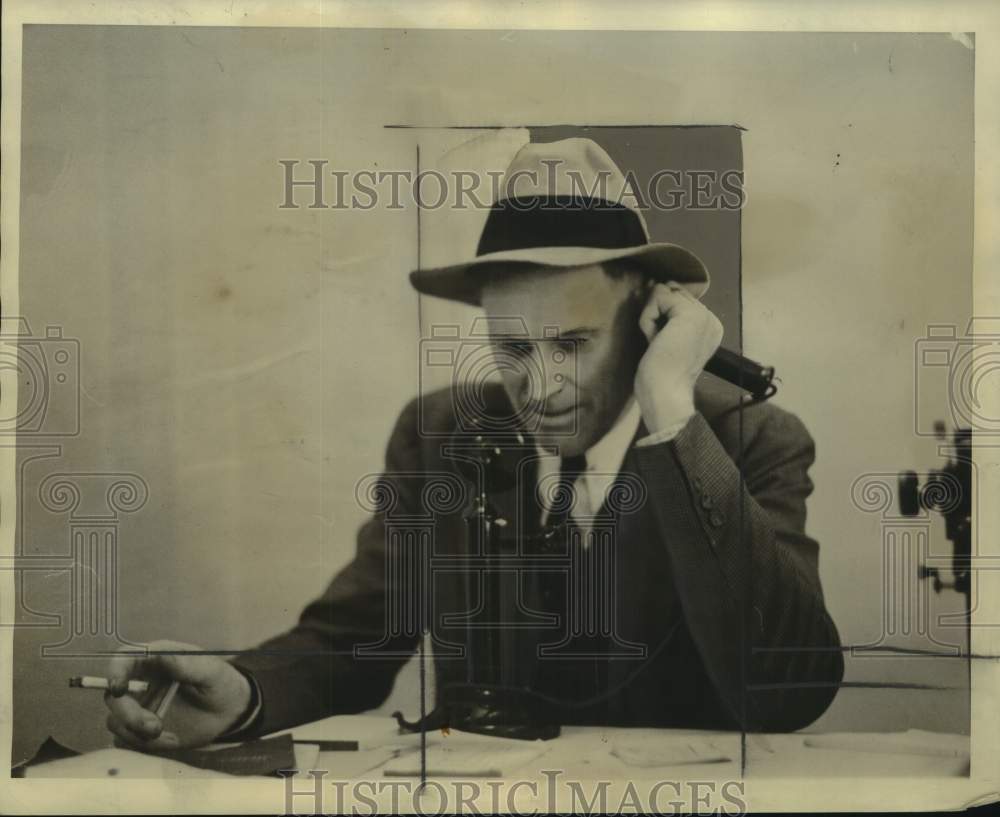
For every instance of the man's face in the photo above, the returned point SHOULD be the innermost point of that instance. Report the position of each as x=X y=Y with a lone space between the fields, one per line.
x=577 y=399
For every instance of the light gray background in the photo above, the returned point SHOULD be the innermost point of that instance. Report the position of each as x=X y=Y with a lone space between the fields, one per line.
x=249 y=362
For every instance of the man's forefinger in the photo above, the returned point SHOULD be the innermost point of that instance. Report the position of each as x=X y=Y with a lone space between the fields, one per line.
x=680 y=289
x=663 y=300
x=120 y=670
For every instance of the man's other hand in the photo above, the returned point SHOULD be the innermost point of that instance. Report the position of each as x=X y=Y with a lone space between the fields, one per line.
x=683 y=335
x=212 y=696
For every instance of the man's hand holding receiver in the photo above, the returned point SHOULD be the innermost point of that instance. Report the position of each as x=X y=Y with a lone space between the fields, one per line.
x=676 y=356
x=212 y=698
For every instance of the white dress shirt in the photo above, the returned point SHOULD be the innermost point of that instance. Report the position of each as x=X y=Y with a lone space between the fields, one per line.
x=604 y=462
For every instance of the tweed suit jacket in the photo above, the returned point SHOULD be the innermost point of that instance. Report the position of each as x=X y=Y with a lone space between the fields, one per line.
x=716 y=581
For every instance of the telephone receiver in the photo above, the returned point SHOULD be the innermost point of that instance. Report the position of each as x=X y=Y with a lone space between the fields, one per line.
x=742 y=372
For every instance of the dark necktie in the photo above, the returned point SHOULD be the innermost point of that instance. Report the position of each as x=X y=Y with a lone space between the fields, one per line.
x=554 y=677
x=570 y=470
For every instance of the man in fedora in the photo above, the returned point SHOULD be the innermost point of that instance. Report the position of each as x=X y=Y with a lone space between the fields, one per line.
x=713 y=613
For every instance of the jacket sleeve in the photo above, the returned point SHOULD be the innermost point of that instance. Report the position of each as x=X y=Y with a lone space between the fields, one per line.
x=746 y=572
x=312 y=671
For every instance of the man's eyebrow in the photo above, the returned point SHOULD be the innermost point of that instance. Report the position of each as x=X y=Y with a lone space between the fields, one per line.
x=578 y=331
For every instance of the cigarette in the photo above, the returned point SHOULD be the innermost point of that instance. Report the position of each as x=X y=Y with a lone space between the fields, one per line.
x=168 y=697
x=92 y=682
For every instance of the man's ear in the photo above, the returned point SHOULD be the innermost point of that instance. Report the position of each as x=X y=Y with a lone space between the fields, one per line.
x=643 y=285
x=639 y=294
x=637 y=299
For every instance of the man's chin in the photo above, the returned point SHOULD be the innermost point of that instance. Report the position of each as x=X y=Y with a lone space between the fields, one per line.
x=568 y=442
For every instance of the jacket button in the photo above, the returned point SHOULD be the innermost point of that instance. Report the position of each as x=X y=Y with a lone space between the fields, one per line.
x=716 y=519
x=706 y=501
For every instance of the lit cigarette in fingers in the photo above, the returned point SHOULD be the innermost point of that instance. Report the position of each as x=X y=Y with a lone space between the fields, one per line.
x=93 y=682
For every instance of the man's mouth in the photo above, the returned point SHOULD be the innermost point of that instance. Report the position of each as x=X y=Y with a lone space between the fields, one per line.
x=556 y=417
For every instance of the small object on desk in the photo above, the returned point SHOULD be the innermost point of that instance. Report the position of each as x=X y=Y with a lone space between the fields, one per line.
x=93 y=682
x=465 y=760
x=256 y=757
x=366 y=731
x=911 y=742
x=668 y=750
x=330 y=745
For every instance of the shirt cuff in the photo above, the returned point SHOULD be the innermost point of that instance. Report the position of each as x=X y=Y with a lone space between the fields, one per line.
x=250 y=714
x=663 y=435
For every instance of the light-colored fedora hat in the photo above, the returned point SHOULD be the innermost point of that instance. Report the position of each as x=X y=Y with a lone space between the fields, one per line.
x=562 y=204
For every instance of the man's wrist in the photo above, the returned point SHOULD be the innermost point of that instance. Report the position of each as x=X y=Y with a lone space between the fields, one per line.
x=666 y=412
x=663 y=435
x=248 y=717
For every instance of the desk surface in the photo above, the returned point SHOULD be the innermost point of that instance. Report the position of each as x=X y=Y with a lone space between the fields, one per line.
x=583 y=753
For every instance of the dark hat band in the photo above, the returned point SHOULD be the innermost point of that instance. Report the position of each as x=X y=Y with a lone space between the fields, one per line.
x=560 y=221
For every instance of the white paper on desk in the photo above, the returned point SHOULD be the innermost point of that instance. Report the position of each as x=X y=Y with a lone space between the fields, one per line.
x=656 y=750
x=347 y=765
x=306 y=756
x=910 y=742
x=497 y=757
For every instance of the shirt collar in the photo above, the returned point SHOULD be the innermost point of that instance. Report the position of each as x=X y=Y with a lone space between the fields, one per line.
x=608 y=453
